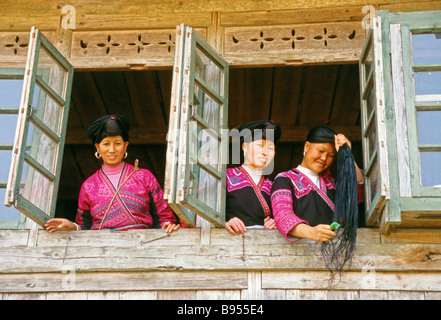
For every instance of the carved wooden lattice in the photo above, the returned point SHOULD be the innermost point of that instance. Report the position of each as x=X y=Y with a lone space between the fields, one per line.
x=289 y=39
x=135 y=43
x=15 y=44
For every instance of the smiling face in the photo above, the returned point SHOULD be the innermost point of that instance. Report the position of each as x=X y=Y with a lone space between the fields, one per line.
x=318 y=156
x=112 y=150
x=259 y=153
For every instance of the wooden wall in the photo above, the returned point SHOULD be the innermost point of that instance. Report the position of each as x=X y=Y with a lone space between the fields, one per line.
x=191 y=264
x=260 y=264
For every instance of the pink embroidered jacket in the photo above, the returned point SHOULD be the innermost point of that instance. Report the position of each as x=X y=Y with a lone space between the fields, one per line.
x=296 y=199
x=138 y=204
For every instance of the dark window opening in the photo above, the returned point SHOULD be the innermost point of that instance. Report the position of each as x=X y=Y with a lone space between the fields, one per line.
x=299 y=98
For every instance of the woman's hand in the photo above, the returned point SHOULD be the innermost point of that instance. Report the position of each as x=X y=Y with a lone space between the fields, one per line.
x=269 y=223
x=235 y=225
x=60 y=224
x=319 y=233
x=340 y=140
x=170 y=227
x=322 y=233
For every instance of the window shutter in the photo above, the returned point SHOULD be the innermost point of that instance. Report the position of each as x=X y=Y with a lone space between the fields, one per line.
x=198 y=138
x=41 y=128
x=373 y=123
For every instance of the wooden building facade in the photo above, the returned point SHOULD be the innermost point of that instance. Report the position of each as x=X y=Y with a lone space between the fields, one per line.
x=365 y=70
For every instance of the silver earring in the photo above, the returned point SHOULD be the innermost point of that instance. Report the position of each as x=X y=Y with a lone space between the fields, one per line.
x=97 y=155
x=125 y=155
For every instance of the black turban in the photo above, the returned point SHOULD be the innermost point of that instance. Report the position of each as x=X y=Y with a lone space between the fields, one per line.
x=261 y=130
x=109 y=126
x=321 y=134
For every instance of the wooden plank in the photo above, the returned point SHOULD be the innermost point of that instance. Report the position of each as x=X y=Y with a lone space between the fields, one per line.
x=345 y=108
x=315 y=109
x=411 y=6
x=245 y=255
x=257 y=94
x=14 y=44
x=110 y=295
x=414 y=235
x=254 y=290
x=22 y=7
x=288 y=39
x=113 y=90
x=118 y=21
x=287 y=16
x=138 y=295
x=322 y=295
x=177 y=295
x=399 y=107
x=416 y=218
x=401 y=282
x=13 y=238
x=286 y=91
x=87 y=101
x=24 y=296
x=301 y=57
x=124 y=49
x=174 y=283
x=129 y=239
x=405 y=295
x=236 y=97
x=218 y=295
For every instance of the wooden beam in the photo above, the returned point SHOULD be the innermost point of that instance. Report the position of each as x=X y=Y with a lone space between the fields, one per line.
x=290 y=134
x=41 y=7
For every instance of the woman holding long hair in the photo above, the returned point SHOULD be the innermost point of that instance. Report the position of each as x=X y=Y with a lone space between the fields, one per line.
x=303 y=198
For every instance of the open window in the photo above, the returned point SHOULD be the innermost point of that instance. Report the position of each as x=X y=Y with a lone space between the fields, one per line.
x=373 y=123
x=197 y=142
x=400 y=79
x=40 y=132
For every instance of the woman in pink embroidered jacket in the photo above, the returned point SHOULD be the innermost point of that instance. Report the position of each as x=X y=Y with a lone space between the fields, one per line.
x=303 y=198
x=248 y=202
x=118 y=196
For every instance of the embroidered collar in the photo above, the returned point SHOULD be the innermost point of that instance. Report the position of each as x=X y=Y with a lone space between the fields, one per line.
x=257 y=189
x=320 y=190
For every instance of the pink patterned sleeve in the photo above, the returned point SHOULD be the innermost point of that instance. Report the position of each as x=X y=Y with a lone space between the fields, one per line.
x=284 y=216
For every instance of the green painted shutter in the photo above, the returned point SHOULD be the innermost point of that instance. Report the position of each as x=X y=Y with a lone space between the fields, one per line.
x=198 y=133
x=421 y=51
x=373 y=123
x=41 y=128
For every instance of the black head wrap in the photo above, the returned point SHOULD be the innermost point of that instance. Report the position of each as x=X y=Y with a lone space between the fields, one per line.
x=109 y=126
x=260 y=130
x=321 y=134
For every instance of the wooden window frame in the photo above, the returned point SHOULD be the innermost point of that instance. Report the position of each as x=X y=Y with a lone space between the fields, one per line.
x=408 y=205
x=417 y=205
x=412 y=106
x=374 y=119
x=184 y=163
x=26 y=116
